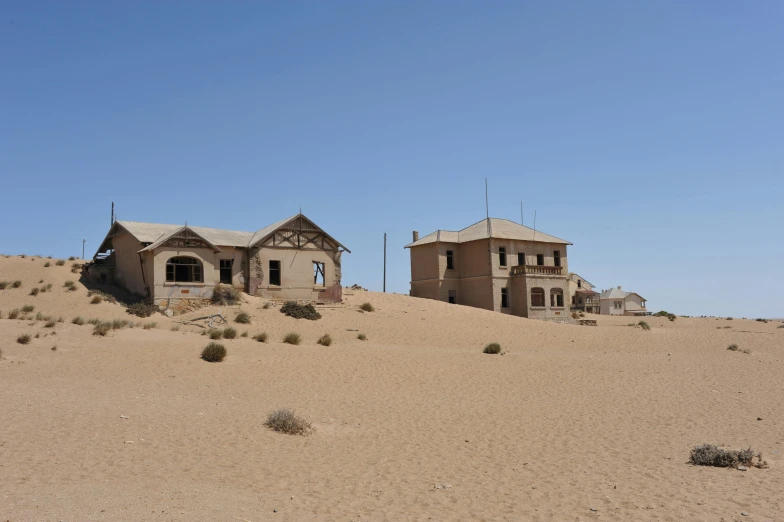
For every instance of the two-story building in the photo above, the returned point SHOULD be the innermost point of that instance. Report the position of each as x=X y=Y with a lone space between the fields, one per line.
x=617 y=301
x=582 y=295
x=494 y=264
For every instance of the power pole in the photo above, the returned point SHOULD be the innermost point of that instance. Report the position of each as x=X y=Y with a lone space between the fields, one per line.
x=83 y=241
x=385 y=261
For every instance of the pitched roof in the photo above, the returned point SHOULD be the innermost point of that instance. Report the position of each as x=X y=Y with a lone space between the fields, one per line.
x=614 y=293
x=165 y=237
x=492 y=227
x=578 y=276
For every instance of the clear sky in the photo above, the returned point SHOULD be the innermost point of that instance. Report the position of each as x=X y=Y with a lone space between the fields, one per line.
x=649 y=134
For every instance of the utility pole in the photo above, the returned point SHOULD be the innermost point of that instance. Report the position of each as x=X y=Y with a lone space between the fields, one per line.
x=385 y=262
x=83 y=241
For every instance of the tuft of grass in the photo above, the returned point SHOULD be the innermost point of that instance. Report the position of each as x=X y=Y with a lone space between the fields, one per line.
x=143 y=308
x=4 y=285
x=50 y=323
x=644 y=325
x=54 y=348
x=672 y=317
x=72 y=258
x=213 y=352
x=96 y=299
x=229 y=333
x=102 y=328
x=13 y=314
x=367 y=307
x=300 y=311
x=16 y=284
x=47 y=264
x=292 y=338
x=325 y=340
x=225 y=295
x=492 y=348
x=23 y=339
x=734 y=348
x=267 y=305
x=261 y=337
x=711 y=455
x=59 y=262
x=244 y=334
x=26 y=309
x=362 y=337
x=215 y=334
x=175 y=328
x=77 y=320
x=93 y=321
x=34 y=292
x=242 y=318
x=69 y=284
x=285 y=421
x=150 y=326
x=118 y=324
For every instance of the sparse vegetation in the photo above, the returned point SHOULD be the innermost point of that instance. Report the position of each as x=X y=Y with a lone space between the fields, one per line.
x=4 y=285
x=367 y=307
x=34 y=292
x=103 y=295
x=150 y=326
x=26 y=309
x=96 y=299
x=175 y=328
x=492 y=348
x=213 y=352
x=143 y=308
x=16 y=284
x=300 y=311
x=23 y=339
x=285 y=421
x=71 y=258
x=93 y=321
x=50 y=324
x=77 y=321
x=13 y=314
x=47 y=264
x=575 y=315
x=102 y=328
x=261 y=337
x=711 y=455
x=69 y=284
x=215 y=334
x=118 y=324
x=242 y=318
x=229 y=333
x=225 y=295
x=734 y=348
x=644 y=325
x=672 y=317
x=59 y=262
x=292 y=338
x=362 y=337
x=267 y=305
x=325 y=340
x=54 y=348
x=244 y=334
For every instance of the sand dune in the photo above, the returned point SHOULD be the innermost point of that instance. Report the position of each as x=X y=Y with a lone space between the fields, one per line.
x=570 y=418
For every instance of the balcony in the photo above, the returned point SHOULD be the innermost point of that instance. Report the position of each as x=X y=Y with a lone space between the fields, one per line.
x=536 y=269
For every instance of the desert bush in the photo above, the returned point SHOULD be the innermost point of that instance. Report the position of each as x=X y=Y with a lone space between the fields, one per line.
x=39 y=316
x=23 y=339
x=781 y=326
x=103 y=295
x=225 y=295
x=93 y=321
x=661 y=313
x=644 y=325
x=229 y=333
x=60 y=319
x=143 y=308
x=26 y=309
x=102 y=328
x=175 y=328
x=4 y=285
x=13 y=314
x=244 y=334
x=47 y=264
x=492 y=348
x=367 y=307
x=711 y=455
x=242 y=318
x=672 y=317
x=734 y=348
x=150 y=326
x=215 y=334
x=59 y=262
x=292 y=338
x=78 y=320
x=261 y=337
x=117 y=324
x=16 y=284
x=71 y=258
x=96 y=299
x=300 y=311
x=267 y=305
x=47 y=288
x=68 y=284
x=54 y=348
x=362 y=337
x=582 y=314
x=729 y=318
x=34 y=292
x=50 y=323
x=285 y=421
x=213 y=352
x=325 y=340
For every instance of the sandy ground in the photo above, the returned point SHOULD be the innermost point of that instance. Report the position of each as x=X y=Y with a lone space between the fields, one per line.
x=570 y=418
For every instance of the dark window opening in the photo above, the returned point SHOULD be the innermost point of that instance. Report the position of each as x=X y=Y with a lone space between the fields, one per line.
x=225 y=271
x=450 y=261
x=579 y=284
x=537 y=297
x=183 y=270
x=274 y=273
x=318 y=273
x=540 y=259
x=556 y=298
x=452 y=297
x=520 y=259
x=557 y=257
x=502 y=256
x=504 y=298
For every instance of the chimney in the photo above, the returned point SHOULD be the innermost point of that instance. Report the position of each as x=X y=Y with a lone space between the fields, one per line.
x=619 y=287
x=416 y=236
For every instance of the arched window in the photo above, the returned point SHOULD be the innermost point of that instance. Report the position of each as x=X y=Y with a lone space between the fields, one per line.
x=537 y=296
x=556 y=297
x=184 y=270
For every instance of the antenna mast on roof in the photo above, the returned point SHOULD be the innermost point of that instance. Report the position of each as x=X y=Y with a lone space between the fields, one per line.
x=521 y=214
x=487 y=203
x=535 y=232
x=112 y=223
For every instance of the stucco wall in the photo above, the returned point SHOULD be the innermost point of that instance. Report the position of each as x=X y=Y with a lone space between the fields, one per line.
x=163 y=289
x=607 y=307
x=633 y=302
x=297 y=270
x=473 y=259
x=128 y=269
x=424 y=262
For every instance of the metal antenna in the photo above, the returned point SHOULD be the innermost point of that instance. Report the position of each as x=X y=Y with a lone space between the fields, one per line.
x=487 y=203
x=83 y=242
x=521 y=213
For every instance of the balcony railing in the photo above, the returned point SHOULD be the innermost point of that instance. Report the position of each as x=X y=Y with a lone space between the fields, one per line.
x=536 y=269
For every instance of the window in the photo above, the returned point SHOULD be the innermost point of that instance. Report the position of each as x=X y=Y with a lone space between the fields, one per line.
x=520 y=259
x=618 y=304
x=579 y=283
x=537 y=297
x=184 y=270
x=450 y=261
x=557 y=257
x=504 y=298
x=452 y=296
x=556 y=298
x=318 y=273
x=274 y=273
x=501 y=256
x=540 y=259
x=225 y=271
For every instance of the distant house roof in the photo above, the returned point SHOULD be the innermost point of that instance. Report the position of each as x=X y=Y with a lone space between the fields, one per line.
x=572 y=274
x=617 y=293
x=493 y=227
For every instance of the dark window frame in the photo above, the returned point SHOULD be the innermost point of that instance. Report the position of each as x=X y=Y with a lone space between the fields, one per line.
x=184 y=269
x=557 y=257
x=521 y=258
x=539 y=259
x=275 y=273
x=225 y=265
x=504 y=297
x=502 y=256
x=450 y=260
x=319 y=269
x=537 y=297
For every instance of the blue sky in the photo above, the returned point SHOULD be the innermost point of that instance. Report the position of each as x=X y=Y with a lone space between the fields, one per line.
x=650 y=134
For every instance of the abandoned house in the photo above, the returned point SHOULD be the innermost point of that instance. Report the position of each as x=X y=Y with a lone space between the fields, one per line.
x=494 y=264
x=293 y=259
x=617 y=301
x=582 y=295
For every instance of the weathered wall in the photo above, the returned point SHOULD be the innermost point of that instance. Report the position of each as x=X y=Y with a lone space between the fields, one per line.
x=633 y=303
x=296 y=274
x=425 y=262
x=547 y=283
x=607 y=307
x=128 y=269
x=165 y=290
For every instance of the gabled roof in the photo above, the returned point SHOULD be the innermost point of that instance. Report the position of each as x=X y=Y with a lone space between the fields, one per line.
x=297 y=222
x=493 y=227
x=578 y=276
x=165 y=237
x=617 y=293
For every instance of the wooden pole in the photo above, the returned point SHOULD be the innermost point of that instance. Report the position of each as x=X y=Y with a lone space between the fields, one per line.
x=385 y=261
x=83 y=241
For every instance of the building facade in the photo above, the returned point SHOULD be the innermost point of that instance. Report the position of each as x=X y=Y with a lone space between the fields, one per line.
x=582 y=296
x=617 y=301
x=495 y=264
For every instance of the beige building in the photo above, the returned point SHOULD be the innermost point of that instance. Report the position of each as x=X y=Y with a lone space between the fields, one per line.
x=617 y=301
x=292 y=259
x=494 y=264
x=582 y=296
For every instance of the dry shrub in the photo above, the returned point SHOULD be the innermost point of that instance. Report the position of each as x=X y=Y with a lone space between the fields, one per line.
x=734 y=348
x=292 y=338
x=362 y=337
x=93 y=321
x=59 y=262
x=213 y=352
x=492 y=348
x=23 y=339
x=244 y=334
x=34 y=292
x=285 y=421
x=71 y=258
x=150 y=326
x=96 y=299
x=225 y=295
x=103 y=295
x=175 y=328
x=26 y=309
x=325 y=340
x=13 y=314
x=47 y=264
x=242 y=318
x=50 y=324
x=69 y=284
x=143 y=308
x=78 y=320
x=367 y=307
x=644 y=325
x=4 y=285
x=229 y=333
x=300 y=311
x=54 y=348
x=215 y=334
x=16 y=284
x=102 y=328
x=711 y=455
x=261 y=337
x=118 y=324
x=267 y=305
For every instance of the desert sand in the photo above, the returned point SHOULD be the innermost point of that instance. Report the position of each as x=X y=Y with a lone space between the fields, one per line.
x=416 y=423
